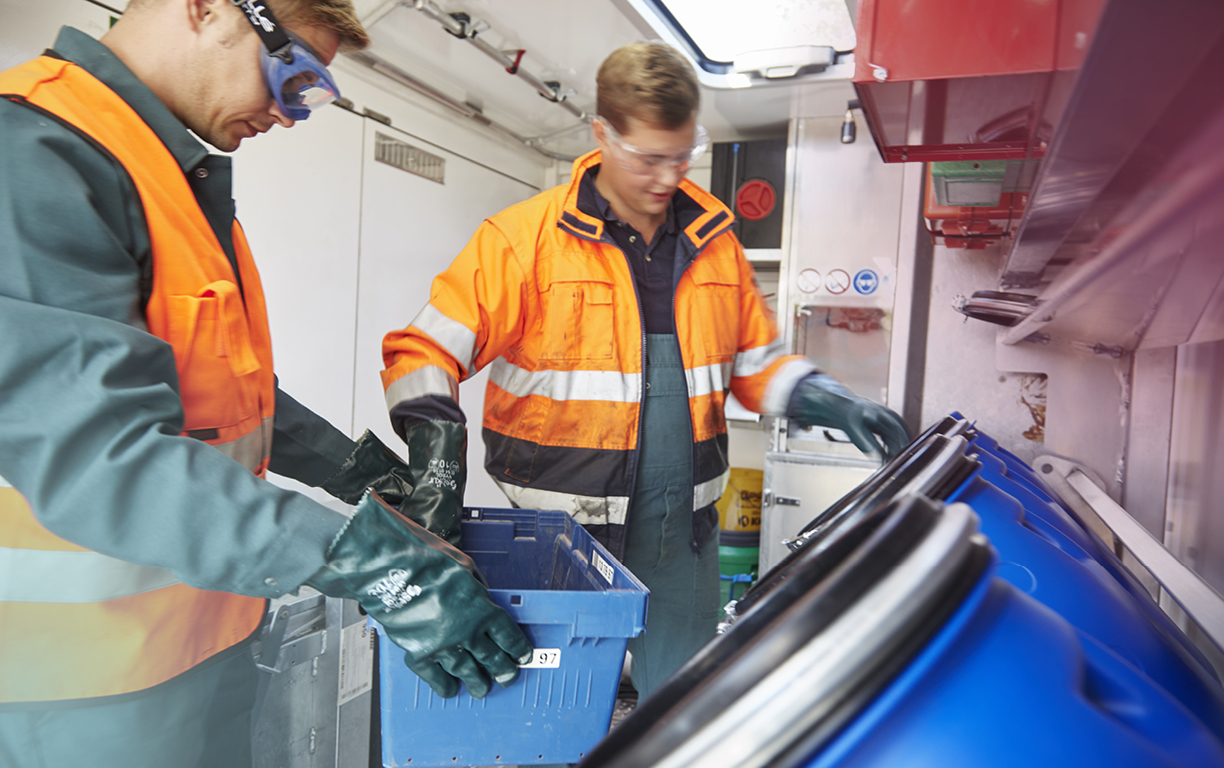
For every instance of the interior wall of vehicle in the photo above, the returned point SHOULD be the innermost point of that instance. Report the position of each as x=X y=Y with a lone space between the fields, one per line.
x=347 y=246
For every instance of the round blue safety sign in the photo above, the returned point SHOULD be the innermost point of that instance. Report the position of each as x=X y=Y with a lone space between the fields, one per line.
x=866 y=281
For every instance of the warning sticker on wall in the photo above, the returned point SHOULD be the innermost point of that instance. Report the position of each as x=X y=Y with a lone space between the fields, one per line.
x=356 y=661
x=866 y=281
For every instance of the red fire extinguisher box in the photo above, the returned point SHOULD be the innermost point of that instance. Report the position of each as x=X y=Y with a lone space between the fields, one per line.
x=968 y=79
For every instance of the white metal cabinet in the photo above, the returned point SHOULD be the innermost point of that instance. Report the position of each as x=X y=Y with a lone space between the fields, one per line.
x=797 y=488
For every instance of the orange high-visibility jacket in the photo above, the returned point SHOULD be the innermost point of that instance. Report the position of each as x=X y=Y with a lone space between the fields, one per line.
x=143 y=625
x=544 y=296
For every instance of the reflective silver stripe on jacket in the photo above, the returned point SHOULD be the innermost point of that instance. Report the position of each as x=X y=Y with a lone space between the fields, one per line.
x=588 y=510
x=781 y=384
x=252 y=448
x=55 y=576
x=708 y=379
x=750 y=362
x=430 y=380
x=607 y=386
x=709 y=492
x=457 y=339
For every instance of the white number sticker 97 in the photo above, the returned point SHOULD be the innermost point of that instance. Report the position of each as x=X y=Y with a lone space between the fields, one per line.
x=544 y=658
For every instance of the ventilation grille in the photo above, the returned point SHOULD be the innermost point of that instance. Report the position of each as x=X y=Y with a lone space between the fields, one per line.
x=408 y=158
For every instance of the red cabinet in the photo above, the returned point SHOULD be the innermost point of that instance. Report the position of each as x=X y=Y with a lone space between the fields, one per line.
x=968 y=79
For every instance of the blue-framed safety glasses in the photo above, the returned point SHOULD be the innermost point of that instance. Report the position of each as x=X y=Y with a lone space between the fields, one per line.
x=296 y=76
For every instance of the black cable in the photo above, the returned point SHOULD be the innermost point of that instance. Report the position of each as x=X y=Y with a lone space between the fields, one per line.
x=115 y=11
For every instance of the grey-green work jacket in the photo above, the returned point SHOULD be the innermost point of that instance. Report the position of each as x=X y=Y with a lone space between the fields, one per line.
x=89 y=405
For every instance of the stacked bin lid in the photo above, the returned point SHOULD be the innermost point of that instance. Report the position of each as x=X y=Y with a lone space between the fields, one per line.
x=896 y=634
x=1049 y=554
x=1044 y=551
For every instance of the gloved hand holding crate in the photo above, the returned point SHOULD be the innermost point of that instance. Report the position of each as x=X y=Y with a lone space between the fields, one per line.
x=429 y=598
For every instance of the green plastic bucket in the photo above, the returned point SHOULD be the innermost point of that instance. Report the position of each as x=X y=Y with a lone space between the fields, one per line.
x=737 y=568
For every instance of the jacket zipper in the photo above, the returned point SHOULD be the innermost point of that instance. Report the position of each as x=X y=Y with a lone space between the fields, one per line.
x=637 y=451
x=688 y=389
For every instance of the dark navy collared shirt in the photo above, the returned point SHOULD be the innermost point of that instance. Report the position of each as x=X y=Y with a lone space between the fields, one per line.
x=653 y=264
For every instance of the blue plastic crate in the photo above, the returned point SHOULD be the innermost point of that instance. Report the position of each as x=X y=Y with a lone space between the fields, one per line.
x=577 y=604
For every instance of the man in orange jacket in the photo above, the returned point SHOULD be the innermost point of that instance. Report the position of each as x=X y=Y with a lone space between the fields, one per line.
x=139 y=542
x=616 y=312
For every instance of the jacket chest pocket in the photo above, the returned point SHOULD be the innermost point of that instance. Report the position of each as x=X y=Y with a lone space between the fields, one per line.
x=715 y=316
x=578 y=321
x=214 y=356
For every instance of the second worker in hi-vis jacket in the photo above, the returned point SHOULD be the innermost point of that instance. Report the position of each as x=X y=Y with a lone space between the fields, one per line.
x=616 y=312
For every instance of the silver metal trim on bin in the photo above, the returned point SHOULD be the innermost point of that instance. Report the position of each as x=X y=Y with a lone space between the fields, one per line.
x=1196 y=597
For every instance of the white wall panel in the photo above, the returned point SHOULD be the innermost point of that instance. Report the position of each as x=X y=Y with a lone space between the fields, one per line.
x=1009 y=404
x=299 y=199
x=28 y=27
x=298 y=194
x=845 y=214
x=842 y=217
x=411 y=229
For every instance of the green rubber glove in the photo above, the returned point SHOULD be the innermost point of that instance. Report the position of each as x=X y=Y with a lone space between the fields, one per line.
x=820 y=400
x=371 y=465
x=437 y=468
x=429 y=597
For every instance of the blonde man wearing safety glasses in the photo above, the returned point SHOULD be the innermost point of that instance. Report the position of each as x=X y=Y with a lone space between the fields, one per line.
x=616 y=312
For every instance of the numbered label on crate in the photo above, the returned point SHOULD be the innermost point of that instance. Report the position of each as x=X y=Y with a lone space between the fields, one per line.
x=544 y=658
x=601 y=565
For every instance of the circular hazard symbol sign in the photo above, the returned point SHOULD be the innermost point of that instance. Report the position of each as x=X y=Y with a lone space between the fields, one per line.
x=755 y=200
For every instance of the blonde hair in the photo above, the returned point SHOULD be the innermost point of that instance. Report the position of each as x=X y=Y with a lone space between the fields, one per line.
x=336 y=15
x=652 y=82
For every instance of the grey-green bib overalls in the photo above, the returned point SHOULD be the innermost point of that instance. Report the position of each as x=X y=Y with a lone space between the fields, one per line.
x=684 y=590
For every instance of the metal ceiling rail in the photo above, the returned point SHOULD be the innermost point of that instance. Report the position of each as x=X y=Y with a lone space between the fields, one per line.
x=387 y=69
x=460 y=27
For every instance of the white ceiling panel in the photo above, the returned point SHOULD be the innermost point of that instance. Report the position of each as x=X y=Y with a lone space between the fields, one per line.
x=564 y=41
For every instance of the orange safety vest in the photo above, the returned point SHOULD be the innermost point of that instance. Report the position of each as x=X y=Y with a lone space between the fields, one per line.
x=547 y=301
x=75 y=623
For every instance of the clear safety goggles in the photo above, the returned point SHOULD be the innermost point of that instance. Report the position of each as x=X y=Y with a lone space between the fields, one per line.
x=650 y=162
x=296 y=76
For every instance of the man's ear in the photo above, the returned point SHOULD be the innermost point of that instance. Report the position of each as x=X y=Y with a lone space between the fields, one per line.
x=201 y=13
x=599 y=133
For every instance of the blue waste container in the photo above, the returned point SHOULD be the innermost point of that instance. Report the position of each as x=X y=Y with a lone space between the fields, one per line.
x=1040 y=561
x=1043 y=511
x=1044 y=552
x=906 y=649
